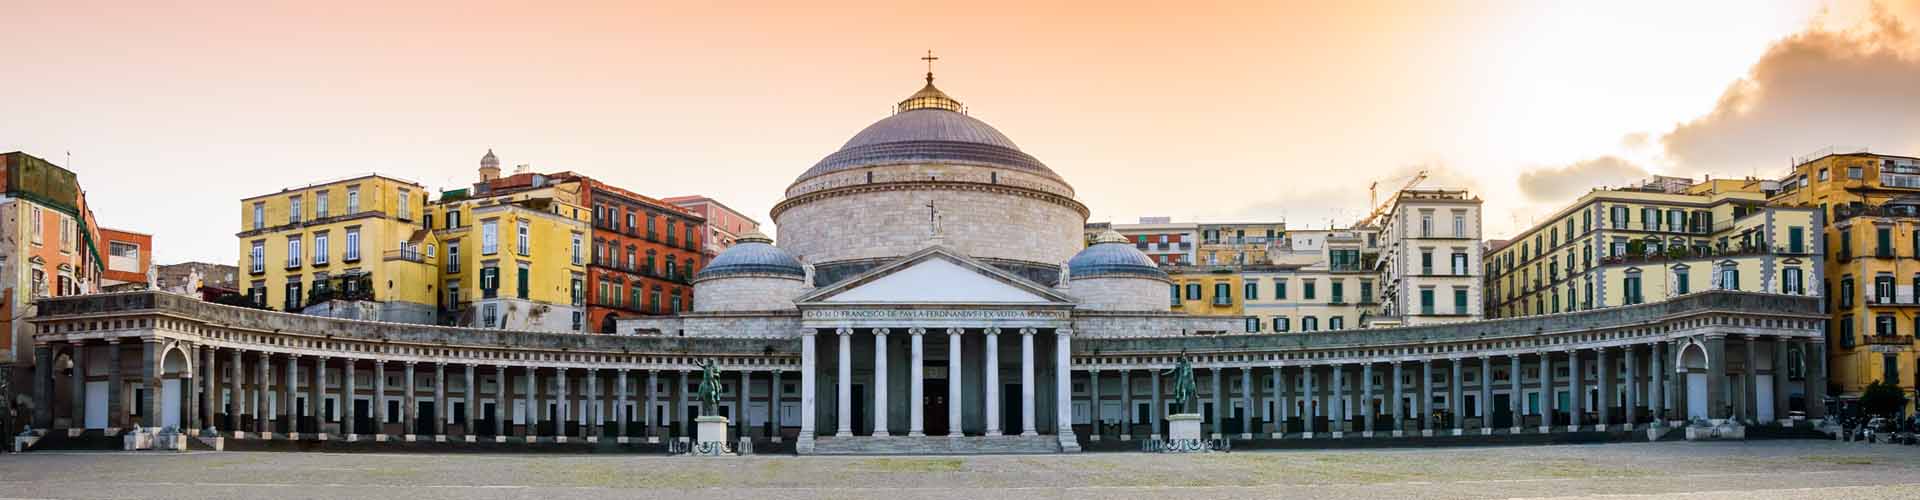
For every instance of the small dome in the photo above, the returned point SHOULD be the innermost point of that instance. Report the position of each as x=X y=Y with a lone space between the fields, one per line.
x=489 y=161
x=1112 y=255
x=753 y=253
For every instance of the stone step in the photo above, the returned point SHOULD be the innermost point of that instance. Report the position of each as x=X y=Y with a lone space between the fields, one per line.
x=936 y=445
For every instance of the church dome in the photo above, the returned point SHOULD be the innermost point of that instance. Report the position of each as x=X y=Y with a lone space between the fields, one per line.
x=1112 y=255
x=928 y=127
x=753 y=253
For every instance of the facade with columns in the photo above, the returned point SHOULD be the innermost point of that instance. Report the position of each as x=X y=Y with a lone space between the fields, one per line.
x=932 y=293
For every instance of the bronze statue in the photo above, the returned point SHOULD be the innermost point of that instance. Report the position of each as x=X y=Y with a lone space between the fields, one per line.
x=1184 y=392
x=709 y=388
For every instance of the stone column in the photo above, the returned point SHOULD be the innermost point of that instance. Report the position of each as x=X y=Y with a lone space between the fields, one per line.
x=43 y=374
x=742 y=395
x=440 y=404
x=1063 y=388
x=620 y=405
x=916 y=389
x=1657 y=399
x=533 y=403
x=1396 y=403
x=1337 y=408
x=1027 y=408
x=1285 y=386
x=954 y=427
x=1516 y=395
x=263 y=387
x=845 y=383
x=1486 y=395
x=1717 y=378
x=409 y=404
x=680 y=405
x=473 y=405
x=1312 y=397
x=1126 y=405
x=1217 y=428
x=319 y=397
x=804 y=442
x=1632 y=354
x=379 y=399
x=1576 y=395
x=1366 y=399
x=500 y=403
x=993 y=416
x=561 y=411
x=807 y=359
x=76 y=386
x=589 y=420
x=774 y=398
x=1779 y=373
x=1093 y=404
x=1750 y=403
x=116 y=387
x=880 y=405
x=1423 y=405
x=150 y=373
x=1546 y=392
x=288 y=397
x=1816 y=379
x=347 y=429
x=1153 y=415
x=1247 y=419
x=1607 y=379
x=210 y=392
x=236 y=402
x=1456 y=397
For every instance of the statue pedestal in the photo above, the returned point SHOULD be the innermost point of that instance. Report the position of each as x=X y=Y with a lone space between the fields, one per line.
x=1183 y=426
x=710 y=436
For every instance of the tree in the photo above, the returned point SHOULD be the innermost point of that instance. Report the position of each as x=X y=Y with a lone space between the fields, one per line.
x=1883 y=399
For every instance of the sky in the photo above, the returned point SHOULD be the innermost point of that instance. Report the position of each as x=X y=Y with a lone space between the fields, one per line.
x=1200 y=111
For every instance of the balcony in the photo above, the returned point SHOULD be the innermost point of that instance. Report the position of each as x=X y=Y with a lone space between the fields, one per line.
x=1887 y=340
x=403 y=255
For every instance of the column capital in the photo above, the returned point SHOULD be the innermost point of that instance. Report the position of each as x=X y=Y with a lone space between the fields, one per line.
x=882 y=332
x=956 y=331
x=1063 y=332
x=843 y=331
x=293 y=356
x=411 y=363
x=916 y=331
x=809 y=332
x=992 y=331
x=1028 y=332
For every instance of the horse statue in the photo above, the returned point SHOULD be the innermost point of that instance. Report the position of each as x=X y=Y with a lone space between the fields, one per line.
x=709 y=391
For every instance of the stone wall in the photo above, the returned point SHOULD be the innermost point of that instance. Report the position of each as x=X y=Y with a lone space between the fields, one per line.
x=891 y=221
x=775 y=324
x=1120 y=293
x=747 y=293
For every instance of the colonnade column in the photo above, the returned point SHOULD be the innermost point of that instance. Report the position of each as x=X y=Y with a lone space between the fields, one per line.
x=620 y=405
x=319 y=397
x=76 y=387
x=680 y=406
x=742 y=394
x=473 y=405
x=1093 y=403
x=589 y=419
x=1283 y=387
x=991 y=345
x=804 y=442
x=1546 y=392
x=1248 y=418
x=440 y=405
x=1395 y=402
x=42 y=386
x=1815 y=352
x=1153 y=414
x=1750 y=404
x=1337 y=406
x=845 y=383
x=774 y=395
x=150 y=373
x=1027 y=382
x=1607 y=379
x=409 y=406
x=1307 y=416
x=288 y=402
x=880 y=405
x=1486 y=395
x=1717 y=378
x=1456 y=397
x=500 y=403
x=653 y=382
x=1366 y=399
x=1780 y=393
x=116 y=407
x=346 y=399
x=1632 y=353
x=1126 y=404
x=235 y=402
x=954 y=423
x=1423 y=405
x=1657 y=398
x=916 y=388
x=1576 y=395
x=561 y=411
x=1063 y=388
x=210 y=394
x=532 y=397
x=1515 y=395
x=379 y=400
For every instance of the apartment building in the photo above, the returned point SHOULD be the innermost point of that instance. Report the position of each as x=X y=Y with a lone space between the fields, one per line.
x=357 y=247
x=1430 y=260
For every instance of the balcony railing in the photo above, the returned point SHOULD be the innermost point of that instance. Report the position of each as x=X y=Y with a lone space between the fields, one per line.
x=1888 y=340
x=403 y=254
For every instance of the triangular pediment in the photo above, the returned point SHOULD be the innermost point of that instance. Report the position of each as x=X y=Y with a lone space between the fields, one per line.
x=937 y=275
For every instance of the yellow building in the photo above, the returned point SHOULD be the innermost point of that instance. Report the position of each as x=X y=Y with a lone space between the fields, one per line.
x=1237 y=244
x=514 y=259
x=1206 y=290
x=1666 y=238
x=361 y=239
x=1873 y=244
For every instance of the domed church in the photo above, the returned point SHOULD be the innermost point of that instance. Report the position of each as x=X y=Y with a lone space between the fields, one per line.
x=936 y=276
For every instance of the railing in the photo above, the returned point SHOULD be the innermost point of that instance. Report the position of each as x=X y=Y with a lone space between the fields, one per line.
x=403 y=254
x=1888 y=340
x=1844 y=212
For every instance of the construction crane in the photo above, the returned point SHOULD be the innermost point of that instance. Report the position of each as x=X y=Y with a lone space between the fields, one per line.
x=1373 y=197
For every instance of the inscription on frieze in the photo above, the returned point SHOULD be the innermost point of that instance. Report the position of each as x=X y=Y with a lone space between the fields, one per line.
x=934 y=314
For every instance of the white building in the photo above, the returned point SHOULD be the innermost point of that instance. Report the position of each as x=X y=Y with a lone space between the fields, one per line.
x=1431 y=257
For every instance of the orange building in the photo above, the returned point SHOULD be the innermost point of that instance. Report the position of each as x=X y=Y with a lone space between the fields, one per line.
x=645 y=252
x=129 y=255
x=723 y=225
x=48 y=247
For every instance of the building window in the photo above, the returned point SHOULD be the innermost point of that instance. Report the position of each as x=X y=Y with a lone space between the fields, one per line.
x=1309 y=324
x=1883 y=289
x=1306 y=290
x=1791 y=282
x=1797 y=239
x=522 y=237
x=1426 y=301
x=259 y=218
x=489 y=282
x=1280 y=289
x=1426 y=262
x=1222 y=294
x=1846 y=291
x=577 y=243
x=1460 y=301
x=1174 y=292
x=1884 y=325
x=489 y=237
x=353 y=199
x=1336 y=322
x=293 y=210
x=1280 y=324
x=1460 y=225
x=293 y=296
x=1460 y=263
x=352 y=252
x=1338 y=289
x=1193 y=291
x=293 y=251
x=320 y=248
x=524 y=278
x=404 y=204
x=1883 y=242
x=489 y=318
x=1681 y=285
x=258 y=256
x=1252 y=291
x=453 y=218
x=1253 y=325
x=1426 y=225
x=1632 y=289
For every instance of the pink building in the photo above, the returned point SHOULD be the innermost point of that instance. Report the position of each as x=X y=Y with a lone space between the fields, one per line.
x=723 y=223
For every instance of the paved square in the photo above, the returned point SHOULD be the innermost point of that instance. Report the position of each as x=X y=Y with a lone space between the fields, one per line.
x=1760 y=469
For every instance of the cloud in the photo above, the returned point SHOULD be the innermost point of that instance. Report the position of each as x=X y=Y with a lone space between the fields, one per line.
x=1851 y=88
x=1564 y=183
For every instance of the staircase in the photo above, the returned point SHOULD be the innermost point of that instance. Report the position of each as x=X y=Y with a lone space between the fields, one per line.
x=91 y=439
x=936 y=445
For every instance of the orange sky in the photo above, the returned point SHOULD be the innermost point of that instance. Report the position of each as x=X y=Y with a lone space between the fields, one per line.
x=1196 y=110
